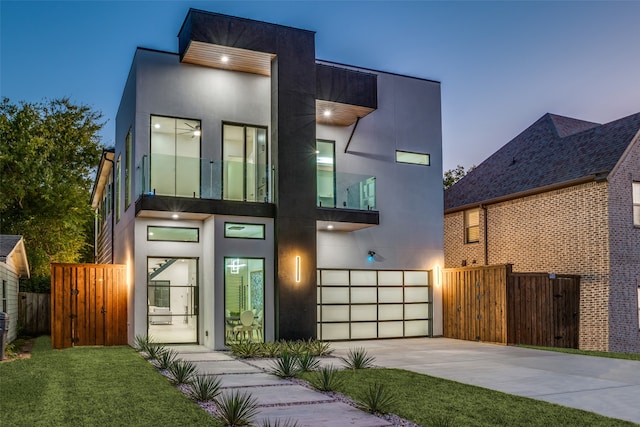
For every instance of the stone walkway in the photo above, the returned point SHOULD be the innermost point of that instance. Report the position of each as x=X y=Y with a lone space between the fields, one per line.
x=278 y=399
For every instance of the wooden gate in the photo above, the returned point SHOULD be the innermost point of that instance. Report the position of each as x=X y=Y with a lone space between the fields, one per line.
x=88 y=305
x=493 y=304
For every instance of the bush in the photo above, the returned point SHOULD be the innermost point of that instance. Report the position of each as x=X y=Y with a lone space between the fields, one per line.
x=246 y=349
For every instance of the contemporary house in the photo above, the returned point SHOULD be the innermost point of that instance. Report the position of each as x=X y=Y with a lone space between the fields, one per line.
x=561 y=197
x=13 y=266
x=256 y=192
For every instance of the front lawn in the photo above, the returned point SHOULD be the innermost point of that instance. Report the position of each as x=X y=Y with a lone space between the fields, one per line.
x=104 y=386
x=431 y=401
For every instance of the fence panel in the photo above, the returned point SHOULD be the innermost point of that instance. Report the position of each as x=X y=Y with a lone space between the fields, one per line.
x=34 y=311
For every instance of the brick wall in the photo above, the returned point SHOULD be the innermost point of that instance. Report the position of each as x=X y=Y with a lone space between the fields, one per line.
x=563 y=231
x=624 y=334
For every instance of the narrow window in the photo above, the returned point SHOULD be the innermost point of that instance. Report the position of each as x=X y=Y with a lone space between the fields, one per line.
x=243 y=231
x=172 y=234
x=472 y=226
x=245 y=161
x=413 y=158
x=128 y=168
x=326 y=174
x=118 y=189
x=636 y=204
x=4 y=296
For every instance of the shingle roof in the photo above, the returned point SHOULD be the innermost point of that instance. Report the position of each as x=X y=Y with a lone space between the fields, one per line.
x=553 y=150
x=7 y=244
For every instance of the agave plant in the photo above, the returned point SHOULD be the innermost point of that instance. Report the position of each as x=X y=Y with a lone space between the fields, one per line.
x=271 y=349
x=307 y=362
x=376 y=398
x=285 y=366
x=319 y=348
x=154 y=350
x=358 y=359
x=182 y=372
x=246 y=349
x=204 y=388
x=166 y=358
x=326 y=379
x=141 y=343
x=236 y=409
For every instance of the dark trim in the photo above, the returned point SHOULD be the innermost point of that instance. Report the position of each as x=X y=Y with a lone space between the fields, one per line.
x=323 y=61
x=346 y=86
x=346 y=148
x=204 y=206
x=148 y=49
x=347 y=215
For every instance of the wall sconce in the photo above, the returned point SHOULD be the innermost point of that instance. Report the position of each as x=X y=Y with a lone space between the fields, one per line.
x=297 y=269
x=437 y=275
x=370 y=256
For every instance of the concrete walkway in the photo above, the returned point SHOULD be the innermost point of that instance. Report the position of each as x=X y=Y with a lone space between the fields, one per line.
x=277 y=398
x=606 y=386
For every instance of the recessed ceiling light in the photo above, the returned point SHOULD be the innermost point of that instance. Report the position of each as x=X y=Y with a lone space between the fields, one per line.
x=175 y=216
x=197 y=132
x=157 y=126
x=330 y=227
x=327 y=113
x=317 y=151
x=224 y=59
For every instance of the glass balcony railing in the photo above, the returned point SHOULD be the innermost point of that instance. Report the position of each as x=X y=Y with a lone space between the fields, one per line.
x=166 y=175
x=346 y=190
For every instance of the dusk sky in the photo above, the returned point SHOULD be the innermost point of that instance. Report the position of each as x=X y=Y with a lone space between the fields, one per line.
x=502 y=65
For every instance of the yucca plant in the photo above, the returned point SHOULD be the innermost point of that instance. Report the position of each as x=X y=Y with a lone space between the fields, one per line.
x=154 y=350
x=182 y=372
x=358 y=359
x=166 y=358
x=294 y=347
x=285 y=366
x=326 y=379
x=319 y=348
x=376 y=398
x=141 y=343
x=271 y=349
x=236 y=409
x=204 y=388
x=307 y=362
x=280 y=423
x=246 y=349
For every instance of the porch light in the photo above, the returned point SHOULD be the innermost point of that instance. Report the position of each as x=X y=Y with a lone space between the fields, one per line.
x=224 y=59
x=437 y=275
x=175 y=216
x=297 y=269
x=327 y=113
x=330 y=227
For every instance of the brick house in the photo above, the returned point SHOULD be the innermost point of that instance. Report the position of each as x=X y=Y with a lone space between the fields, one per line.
x=564 y=197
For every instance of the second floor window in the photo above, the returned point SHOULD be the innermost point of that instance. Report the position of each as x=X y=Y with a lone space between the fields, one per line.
x=636 y=204
x=472 y=226
x=244 y=163
x=326 y=171
x=128 y=169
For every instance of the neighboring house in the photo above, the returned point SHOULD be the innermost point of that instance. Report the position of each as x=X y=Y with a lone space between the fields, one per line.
x=562 y=197
x=13 y=266
x=256 y=192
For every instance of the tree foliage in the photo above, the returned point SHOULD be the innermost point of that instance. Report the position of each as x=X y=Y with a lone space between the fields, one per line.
x=454 y=175
x=47 y=159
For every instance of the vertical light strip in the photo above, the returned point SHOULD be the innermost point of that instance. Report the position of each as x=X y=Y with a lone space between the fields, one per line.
x=297 y=269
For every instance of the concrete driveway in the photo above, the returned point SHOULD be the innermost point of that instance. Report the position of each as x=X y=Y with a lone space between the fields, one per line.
x=609 y=387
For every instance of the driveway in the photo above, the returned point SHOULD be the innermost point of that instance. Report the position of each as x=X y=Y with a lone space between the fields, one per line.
x=606 y=386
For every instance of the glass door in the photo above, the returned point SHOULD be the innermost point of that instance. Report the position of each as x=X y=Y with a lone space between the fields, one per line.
x=244 y=299
x=245 y=160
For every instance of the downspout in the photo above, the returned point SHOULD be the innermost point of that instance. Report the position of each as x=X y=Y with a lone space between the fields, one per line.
x=486 y=234
x=113 y=224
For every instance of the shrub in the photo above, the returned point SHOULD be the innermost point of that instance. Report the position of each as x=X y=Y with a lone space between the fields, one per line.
x=154 y=351
x=326 y=379
x=204 y=388
x=182 y=372
x=285 y=366
x=376 y=398
x=307 y=362
x=236 y=409
x=271 y=349
x=141 y=343
x=358 y=359
x=246 y=349
x=166 y=358
x=319 y=348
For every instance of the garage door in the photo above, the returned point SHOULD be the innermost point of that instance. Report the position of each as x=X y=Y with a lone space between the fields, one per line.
x=370 y=304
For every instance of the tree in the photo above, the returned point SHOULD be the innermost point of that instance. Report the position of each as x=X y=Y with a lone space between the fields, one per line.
x=47 y=159
x=454 y=175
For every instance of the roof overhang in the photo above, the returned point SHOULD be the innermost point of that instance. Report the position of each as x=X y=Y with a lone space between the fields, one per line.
x=18 y=256
x=102 y=177
x=228 y=58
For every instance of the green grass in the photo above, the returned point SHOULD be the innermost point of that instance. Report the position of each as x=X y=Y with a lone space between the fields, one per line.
x=106 y=386
x=611 y=355
x=428 y=401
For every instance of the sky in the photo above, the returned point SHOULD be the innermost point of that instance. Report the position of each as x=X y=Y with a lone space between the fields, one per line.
x=502 y=65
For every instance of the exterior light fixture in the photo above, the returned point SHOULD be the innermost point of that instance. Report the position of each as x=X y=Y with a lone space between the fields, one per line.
x=317 y=151
x=327 y=113
x=370 y=256
x=175 y=216
x=330 y=227
x=437 y=273
x=298 y=269
x=224 y=59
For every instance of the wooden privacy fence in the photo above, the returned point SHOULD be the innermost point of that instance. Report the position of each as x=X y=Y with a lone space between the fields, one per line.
x=88 y=305
x=34 y=313
x=494 y=304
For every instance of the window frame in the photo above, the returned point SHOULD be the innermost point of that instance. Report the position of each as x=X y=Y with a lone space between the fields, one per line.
x=635 y=203
x=263 y=226
x=128 y=168
x=5 y=299
x=118 y=185
x=171 y=240
x=467 y=226
x=427 y=155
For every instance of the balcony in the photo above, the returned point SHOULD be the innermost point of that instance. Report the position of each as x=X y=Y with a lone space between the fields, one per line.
x=346 y=201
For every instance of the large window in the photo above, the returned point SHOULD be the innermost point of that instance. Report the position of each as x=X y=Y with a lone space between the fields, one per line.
x=244 y=299
x=472 y=226
x=244 y=155
x=175 y=156
x=326 y=172
x=173 y=234
x=128 y=169
x=172 y=298
x=636 y=204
